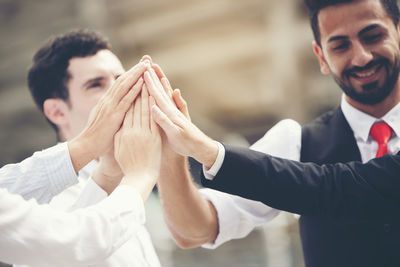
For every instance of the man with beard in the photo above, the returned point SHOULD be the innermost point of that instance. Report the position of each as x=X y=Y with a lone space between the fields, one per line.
x=357 y=41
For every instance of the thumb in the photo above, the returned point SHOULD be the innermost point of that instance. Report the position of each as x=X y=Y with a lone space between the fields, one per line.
x=180 y=103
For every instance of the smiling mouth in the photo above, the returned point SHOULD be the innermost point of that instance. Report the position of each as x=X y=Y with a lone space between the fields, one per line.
x=367 y=75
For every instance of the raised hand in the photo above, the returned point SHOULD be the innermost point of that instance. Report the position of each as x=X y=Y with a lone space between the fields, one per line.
x=183 y=136
x=106 y=118
x=137 y=146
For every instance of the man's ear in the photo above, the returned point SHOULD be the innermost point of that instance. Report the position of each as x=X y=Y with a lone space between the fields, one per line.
x=322 y=61
x=56 y=111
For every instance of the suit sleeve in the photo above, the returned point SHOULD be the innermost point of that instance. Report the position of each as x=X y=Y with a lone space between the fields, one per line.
x=336 y=190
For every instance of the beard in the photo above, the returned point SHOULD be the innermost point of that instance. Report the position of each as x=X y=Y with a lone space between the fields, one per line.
x=371 y=93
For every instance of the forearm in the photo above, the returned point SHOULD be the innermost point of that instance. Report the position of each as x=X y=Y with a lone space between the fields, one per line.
x=350 y=190
x=191 y=219
x=142 y=182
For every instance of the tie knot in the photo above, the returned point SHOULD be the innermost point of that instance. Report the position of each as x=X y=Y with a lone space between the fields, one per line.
x=381 y=132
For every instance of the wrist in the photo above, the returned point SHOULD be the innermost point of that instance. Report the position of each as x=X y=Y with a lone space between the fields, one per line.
x=80 y=153
x=107 y=182
x=206 y=151
x=142 y=182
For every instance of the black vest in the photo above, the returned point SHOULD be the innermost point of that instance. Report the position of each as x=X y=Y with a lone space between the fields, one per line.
x=340 y=242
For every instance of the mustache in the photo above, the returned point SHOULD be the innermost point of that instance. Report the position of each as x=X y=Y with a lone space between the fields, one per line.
x=370 y=64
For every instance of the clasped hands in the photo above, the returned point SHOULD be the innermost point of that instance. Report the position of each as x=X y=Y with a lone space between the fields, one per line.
x=136 y=121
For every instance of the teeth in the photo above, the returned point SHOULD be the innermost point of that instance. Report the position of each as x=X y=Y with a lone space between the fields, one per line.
x=365 y=74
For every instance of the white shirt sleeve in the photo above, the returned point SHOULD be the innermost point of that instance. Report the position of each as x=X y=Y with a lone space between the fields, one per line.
x=86 y=236
x=237 y=216
x=41 y=176
x=91 y=194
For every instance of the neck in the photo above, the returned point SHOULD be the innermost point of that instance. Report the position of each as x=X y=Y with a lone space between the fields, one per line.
x=380 y=109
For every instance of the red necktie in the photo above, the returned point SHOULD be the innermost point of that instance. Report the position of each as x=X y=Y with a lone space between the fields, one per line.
x=381 y=132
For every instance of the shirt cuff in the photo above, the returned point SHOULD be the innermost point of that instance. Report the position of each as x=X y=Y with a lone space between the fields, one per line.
x=227 y=221
x=212 y=172
x=91 y=194
x=59 y=166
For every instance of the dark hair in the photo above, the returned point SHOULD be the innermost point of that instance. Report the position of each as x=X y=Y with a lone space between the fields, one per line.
x=314 y=6
x=48 y=75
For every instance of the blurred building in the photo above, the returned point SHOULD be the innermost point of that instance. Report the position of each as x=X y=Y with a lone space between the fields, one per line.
x=241 y=65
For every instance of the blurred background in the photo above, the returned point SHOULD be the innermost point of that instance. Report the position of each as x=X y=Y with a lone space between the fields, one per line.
x=241 y=65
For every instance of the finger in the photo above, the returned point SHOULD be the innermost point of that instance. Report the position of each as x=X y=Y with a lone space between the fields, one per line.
x=158 y=71
x=163 y=121
x=167 y=87
x=126 y=81
x=163 y=102
x=128 y=121
x=163 y=79
x=153 y=125
x=146 y=57
x=145 y=108
x=129 y=98
x=180 y=103
x=158 y=94
x=137 y=114
x=155 y=78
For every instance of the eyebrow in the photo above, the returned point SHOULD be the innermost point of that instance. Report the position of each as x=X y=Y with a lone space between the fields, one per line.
x=337 y=38
x=368 y=28
x=363 y=31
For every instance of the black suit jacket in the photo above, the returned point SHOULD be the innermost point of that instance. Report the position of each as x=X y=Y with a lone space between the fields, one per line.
x=332 y=190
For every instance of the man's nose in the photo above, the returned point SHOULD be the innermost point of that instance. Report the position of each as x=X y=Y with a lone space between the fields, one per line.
x=361 y=55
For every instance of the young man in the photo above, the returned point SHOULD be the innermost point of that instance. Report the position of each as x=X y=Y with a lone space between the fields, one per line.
x=70 y=73
x=357 y=41
x=40 y=235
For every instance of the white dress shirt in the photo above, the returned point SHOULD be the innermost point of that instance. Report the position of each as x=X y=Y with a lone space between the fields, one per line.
x=42 y=236
x=238 y=216
x=137 y=251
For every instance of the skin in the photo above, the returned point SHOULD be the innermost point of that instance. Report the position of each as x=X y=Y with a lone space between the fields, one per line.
x=138 y=146
x=178 y=193
x=105 y=119
x=352 y=35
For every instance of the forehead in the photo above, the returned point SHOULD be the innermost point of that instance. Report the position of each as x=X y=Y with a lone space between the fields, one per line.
x=350 y=18
x=104 y=62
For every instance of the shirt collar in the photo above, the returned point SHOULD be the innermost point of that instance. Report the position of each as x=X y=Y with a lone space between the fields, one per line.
x=361 y=122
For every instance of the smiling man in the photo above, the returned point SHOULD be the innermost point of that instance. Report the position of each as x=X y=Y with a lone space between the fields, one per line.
x=70 y=73
x=357 y=42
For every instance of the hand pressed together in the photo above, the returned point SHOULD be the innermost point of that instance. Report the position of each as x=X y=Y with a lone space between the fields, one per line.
x=106 y=118
x=137 y=145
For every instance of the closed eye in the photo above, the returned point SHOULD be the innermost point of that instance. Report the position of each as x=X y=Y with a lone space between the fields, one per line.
x=372 y=38
x=342 y=46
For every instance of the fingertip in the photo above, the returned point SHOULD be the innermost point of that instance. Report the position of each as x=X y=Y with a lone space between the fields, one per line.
x=146 y=57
